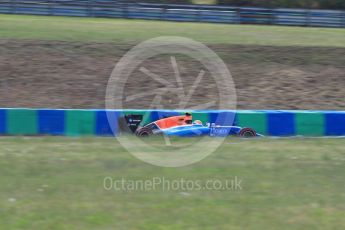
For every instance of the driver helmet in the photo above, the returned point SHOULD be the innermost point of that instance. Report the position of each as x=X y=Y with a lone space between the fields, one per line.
x=197 y=122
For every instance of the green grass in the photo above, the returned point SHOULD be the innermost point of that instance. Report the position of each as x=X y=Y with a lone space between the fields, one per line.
x=132 y=31
x=57 y=183
x=208 y=2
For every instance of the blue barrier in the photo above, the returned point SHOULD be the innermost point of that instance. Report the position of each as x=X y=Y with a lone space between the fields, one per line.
x=281 y=123
x=335 y=123
x=224 y=118
x=71 y=122
x=175 y=12
x=155 y=115
x=51 y=122
x=3 y=121
x=103 y=124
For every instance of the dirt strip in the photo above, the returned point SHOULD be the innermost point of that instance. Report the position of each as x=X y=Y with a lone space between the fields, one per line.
x=74 y=75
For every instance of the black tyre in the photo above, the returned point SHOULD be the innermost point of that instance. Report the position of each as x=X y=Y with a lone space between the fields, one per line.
x=247 y=132
x=144 y=132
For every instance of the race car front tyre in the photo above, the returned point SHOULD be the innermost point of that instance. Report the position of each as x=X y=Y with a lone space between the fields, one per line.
x=247 y=132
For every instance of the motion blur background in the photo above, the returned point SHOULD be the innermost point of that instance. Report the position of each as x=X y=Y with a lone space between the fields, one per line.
x=286 y=54
x=61 y=62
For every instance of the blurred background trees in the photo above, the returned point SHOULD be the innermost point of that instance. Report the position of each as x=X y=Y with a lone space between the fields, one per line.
x=312 y=4
x=315 y=4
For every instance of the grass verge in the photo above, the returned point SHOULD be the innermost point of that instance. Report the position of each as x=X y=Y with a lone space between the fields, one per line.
x=132 y=31
x=57 y=183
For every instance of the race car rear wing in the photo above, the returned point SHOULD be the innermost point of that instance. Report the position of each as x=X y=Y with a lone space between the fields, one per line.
x=129 y=123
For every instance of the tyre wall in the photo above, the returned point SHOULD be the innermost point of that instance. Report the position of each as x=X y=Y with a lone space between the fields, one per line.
x=95 y=122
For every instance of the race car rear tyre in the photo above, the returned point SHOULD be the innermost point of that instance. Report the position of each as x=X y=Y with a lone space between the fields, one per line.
x=247 y=132
x=143 y=132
